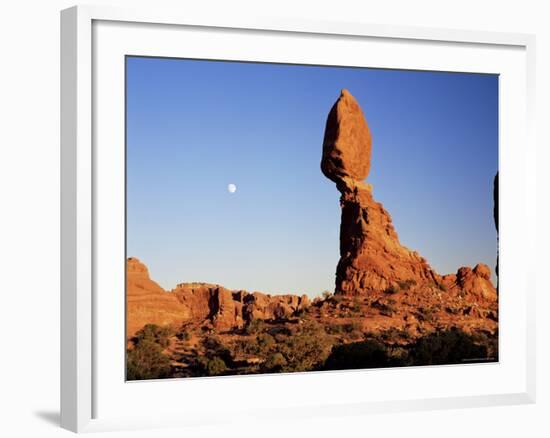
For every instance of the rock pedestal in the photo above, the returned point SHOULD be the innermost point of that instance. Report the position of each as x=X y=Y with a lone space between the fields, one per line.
x=371 y=257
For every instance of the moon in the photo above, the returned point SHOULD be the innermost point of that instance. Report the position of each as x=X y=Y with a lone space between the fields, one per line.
x=231 y=188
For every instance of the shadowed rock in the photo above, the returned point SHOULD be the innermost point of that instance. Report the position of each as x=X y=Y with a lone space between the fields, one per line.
x=495 y=212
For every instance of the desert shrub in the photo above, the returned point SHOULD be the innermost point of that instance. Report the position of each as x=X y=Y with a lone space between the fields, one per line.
x=154 y=333
x=146 y=361
x=306 y=349
x=265 y=341
x=274 y=363
x=447 y=347
x=334 y=298
x=334 y=329
x=279 y=330
x=390 y=290
x=406 y=284
x=489 y=341
x=317 y=301
x=442 y=287
x=345 y=328
x=428 y=314
x=213 y=366
x=353 y=326
x=214 y=347
x=326 y=294
x=393 y=335
x=254 y=327
x=246 y=346
x=261 y=345
x=183 y=335
x=354 y=330
x=366 y=354
x=383 y=308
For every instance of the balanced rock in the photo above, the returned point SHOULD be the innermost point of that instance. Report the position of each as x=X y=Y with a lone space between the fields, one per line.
x=371 y=257
x=347 y=144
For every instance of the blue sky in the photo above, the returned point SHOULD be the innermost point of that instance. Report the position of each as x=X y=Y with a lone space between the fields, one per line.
x=193 y=127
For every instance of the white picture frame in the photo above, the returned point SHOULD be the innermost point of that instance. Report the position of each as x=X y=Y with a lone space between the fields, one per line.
x=85 y=348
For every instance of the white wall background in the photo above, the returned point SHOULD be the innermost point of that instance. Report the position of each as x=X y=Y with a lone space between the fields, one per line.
x=29 y=218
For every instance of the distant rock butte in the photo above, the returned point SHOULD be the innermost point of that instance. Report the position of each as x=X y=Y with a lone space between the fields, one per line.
x=371 y=256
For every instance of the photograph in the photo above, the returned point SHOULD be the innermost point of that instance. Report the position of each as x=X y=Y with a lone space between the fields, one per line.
x=287 y=218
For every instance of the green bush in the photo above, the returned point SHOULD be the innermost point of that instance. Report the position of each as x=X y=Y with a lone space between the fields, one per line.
x=306 y=349
x=183 y=335
x=275 y=363
x=214 y=347
x=214 y=366
x=146 y=361
x=366 y=354
x=254 y=327
x=448 y=347
x=428 y=314
x=406 y=284
x=154 y=333
x=393 y=335
x=265 y=341
x=386 y=309
x=356 y=306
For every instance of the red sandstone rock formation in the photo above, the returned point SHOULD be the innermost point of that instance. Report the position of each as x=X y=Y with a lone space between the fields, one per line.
x=347 y=143
x=473 y=282
x=227 y=309
x=371 y=256
x=148 y=303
